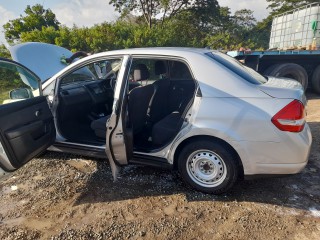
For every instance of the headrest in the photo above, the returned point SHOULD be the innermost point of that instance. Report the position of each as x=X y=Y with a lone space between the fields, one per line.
x=159 y=67
x=141 y=72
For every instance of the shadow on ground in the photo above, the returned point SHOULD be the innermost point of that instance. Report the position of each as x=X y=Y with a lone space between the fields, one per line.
x=301 y=191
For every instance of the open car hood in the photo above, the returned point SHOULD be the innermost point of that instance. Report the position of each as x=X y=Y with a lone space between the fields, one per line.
x=41 y=58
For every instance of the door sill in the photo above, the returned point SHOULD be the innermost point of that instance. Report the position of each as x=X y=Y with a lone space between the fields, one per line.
x=79 y=149
x=145 y=160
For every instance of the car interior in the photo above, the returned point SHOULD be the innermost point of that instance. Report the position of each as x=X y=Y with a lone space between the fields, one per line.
x=159 y=95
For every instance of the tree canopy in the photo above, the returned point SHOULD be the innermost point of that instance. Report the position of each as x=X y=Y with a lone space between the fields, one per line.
x=280 y=6
x=146 y=23
x=150 y=9
x=4 y=52
x=36 y=18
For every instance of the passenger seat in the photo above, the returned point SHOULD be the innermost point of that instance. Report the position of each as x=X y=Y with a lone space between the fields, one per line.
x=165 y=129
x=99 y=126
x=158 y=108
x=139 y=99
x=179 y=95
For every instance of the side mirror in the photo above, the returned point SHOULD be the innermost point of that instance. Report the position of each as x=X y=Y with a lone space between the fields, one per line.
x=20 y=93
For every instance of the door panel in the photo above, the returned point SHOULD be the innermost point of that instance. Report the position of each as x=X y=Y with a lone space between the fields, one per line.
x=26 y=129
x=26 y=122
x=119 y=137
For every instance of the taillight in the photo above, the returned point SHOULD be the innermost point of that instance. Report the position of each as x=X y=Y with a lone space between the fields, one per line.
x=291 y=118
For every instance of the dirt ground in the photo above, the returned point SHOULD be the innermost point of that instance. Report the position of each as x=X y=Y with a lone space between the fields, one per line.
x=60 y=196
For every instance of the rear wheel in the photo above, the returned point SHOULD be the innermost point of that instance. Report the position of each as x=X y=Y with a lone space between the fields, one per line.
x=270 y=69
x=289 y=70
x=316 y=80
x=209 y=167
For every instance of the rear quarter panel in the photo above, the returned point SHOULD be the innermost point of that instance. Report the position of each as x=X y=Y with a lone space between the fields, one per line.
x=245 y=123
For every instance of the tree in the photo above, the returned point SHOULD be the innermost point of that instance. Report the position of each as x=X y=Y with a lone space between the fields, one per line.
x=205 y=13
x=35 y=19
x=151 y=9
x=280 y=6
x=199 y=23
x=239 y=30
x=4 y=52
x=244 y=18
x=46 y=34
x=260 y=34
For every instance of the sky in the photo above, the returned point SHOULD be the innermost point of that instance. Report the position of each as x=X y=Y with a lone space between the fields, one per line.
x=88 y=13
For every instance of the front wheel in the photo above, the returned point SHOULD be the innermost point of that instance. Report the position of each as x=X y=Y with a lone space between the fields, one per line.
x=209 y=167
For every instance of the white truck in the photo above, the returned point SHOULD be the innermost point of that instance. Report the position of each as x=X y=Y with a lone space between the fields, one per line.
x=294 y=48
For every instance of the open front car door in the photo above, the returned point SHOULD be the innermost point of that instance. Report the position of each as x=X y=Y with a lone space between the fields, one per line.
x=119 y=135
x=26 y=122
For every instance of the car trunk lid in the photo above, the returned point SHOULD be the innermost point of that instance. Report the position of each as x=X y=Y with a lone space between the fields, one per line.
x=284 y=88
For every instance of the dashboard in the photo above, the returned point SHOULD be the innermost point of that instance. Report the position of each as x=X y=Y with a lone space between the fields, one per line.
x=94 y=91
x=77 y=99
x=81 y=98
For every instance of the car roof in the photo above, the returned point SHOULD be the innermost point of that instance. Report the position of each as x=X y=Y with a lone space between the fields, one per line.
x=168 y=51
x=183 y=52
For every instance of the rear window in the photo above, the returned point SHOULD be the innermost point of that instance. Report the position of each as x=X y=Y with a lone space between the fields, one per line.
x=235 y=66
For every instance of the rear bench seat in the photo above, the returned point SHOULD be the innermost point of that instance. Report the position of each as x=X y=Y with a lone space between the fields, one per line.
x=169 y=126
x=166 y=128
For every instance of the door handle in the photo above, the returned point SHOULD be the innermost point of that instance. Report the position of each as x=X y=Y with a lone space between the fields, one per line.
x=37 y=113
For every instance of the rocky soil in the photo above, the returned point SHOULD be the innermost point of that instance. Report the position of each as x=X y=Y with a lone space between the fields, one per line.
x=61 y=196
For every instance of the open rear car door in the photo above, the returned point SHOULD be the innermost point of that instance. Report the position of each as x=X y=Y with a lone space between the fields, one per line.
x=26 y=122
x=119 y=140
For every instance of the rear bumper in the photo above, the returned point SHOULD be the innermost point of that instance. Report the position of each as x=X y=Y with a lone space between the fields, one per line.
x=279 y=169
x=289 y=156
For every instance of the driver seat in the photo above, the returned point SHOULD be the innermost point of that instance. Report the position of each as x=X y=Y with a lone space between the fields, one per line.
x=99 y=126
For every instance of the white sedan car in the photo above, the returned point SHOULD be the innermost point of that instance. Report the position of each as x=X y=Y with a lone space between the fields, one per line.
x=195 y=110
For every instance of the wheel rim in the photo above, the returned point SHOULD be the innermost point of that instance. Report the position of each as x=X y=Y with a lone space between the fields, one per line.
x=206 y=168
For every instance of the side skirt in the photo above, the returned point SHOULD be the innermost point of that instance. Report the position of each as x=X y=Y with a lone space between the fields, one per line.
x=91 y=151
x=140 y=159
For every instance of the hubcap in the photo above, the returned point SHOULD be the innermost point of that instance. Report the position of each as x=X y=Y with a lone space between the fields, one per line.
x=206 y=168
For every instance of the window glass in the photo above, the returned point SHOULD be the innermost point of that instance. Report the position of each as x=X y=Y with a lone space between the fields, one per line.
x=238 y=68
x=16 y=83
x=179 y=71
x=96 y=71
x=148 y=67
x=157 y=69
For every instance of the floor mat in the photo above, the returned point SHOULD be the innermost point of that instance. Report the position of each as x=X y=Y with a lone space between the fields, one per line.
x=80 y=133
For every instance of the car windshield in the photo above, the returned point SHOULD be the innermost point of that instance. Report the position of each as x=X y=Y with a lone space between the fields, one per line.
x=96 y=71
x=234 y=65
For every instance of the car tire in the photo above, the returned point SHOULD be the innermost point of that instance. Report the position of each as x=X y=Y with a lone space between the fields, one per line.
x=289 y=70
x=270 y=69
x=316 y=80
x=209 y=167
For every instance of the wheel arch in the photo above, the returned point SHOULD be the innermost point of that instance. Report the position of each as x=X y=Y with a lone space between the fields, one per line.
x=206 y=138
